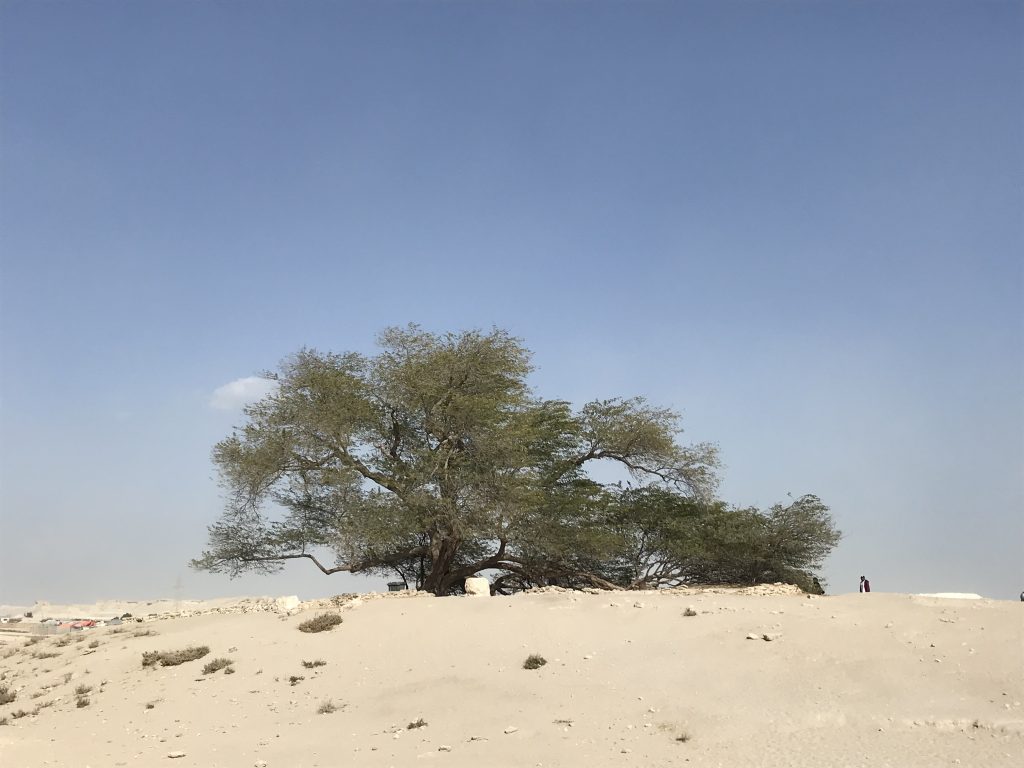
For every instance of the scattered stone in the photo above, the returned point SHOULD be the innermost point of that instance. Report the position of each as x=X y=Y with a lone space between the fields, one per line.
x=173 y=755
x=260 y=764
x=753 y=636
x=444 y=748
x=638 y=604
x=511 y=729
x=770 y=636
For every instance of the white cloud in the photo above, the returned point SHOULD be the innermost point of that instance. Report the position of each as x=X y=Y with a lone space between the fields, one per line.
x=239 y=392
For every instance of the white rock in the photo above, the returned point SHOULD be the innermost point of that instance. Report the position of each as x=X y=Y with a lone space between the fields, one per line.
x=477 y=586
x=511 y=729
x=286 y=604
x=753 y=636
x=175 y=754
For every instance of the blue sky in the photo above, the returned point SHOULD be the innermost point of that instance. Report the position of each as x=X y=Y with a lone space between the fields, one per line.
x=798 y=223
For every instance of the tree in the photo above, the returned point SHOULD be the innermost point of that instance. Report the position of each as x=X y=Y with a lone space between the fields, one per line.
x=435 y=460
x=666 y=540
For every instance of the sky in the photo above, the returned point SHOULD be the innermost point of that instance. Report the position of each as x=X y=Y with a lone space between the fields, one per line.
x=797 y=223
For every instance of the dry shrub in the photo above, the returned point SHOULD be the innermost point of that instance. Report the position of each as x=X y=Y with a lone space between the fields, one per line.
x=173 y=658
x=534 y=661
x=320 y=623
x=82 y=701
x=421 y=723
x=327 y=708
x=7 y=695
x=216 y=665
x=82 y=690
x=314 y=664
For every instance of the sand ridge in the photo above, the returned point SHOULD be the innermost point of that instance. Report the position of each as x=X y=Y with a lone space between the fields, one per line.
x=631 y=679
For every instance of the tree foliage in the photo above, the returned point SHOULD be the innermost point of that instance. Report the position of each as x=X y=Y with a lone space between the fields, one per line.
x=433 y=459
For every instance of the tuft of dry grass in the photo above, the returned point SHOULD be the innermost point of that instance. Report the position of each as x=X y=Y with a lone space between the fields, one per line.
x=7 y=695
x=320 y=623
x=94 y=644
x=82 y=690
x=173 y=658
x=45 y=654
x=314 y=664
x=534 y=661
x=683 y=737
x=296 y=679
x=326 y=708
x=689 y=612
x=82 y=701
x=421 y=723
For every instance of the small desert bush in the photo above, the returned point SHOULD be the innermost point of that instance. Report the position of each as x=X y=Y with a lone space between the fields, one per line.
x=4 y=721
x=7 y=695
x=173 y=658
x=421 y=723
x=82 y=690
x=533 y=661
x=62 y=641
x=314 y=664
x=82 y=701
x=32 y=641
x=689 y=612
x=295 y=679
x=144 y=633
x=45 y=654
x=327 y=708
x=94 y=644
x=683 y=737
x=20 y=714
x=320 y=623
x=216 y=665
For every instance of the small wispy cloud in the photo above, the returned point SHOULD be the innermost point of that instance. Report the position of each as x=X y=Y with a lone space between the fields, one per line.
x=240 y=392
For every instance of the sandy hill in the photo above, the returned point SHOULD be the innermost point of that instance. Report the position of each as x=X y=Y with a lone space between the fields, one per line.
x=630 y=680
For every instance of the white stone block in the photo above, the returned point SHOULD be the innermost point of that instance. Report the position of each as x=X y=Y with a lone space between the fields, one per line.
x=477 y=586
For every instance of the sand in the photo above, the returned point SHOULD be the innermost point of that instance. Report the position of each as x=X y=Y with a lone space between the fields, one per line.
x=630 y=680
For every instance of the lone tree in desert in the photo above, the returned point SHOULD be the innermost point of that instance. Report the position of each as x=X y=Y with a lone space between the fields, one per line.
x=435 y=460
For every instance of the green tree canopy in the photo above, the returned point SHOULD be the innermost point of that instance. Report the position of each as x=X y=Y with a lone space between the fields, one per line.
x=434 y=459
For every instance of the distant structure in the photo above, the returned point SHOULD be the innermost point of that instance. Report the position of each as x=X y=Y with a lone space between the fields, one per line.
x=397 y=586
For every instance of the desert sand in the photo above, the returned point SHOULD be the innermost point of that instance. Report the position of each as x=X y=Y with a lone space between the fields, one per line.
x=760 y=677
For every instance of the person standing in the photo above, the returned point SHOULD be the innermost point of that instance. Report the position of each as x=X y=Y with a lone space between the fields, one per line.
x=865 y=585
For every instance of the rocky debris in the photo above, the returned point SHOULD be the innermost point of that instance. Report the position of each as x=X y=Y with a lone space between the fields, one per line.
x=174 y=755
x=511 y=729
x=766 y=636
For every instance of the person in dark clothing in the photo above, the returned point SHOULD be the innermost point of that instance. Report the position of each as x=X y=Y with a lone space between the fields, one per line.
x=865 y=585
x=816 y=586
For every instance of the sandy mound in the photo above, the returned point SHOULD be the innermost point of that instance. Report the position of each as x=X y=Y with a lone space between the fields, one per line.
x=683 y=677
